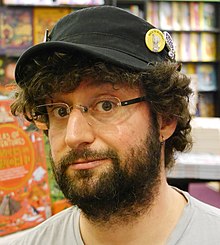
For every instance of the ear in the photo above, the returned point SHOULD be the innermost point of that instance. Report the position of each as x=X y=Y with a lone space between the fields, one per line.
x=167 y=127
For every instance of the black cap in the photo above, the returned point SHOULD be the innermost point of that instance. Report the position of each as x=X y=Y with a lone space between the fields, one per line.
x=109 y=33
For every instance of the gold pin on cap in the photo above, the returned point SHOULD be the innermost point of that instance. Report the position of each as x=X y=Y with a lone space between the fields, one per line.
x=155 y=40
x=46 y=34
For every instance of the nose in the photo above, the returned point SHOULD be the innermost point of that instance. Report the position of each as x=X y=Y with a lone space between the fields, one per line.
x=78 y=132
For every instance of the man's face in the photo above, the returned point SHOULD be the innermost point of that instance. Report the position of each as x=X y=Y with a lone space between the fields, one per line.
x=110 y=167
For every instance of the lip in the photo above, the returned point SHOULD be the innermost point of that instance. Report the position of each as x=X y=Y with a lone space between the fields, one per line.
x=88 y=164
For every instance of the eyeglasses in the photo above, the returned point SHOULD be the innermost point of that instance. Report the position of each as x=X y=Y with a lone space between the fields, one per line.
x=104 y=110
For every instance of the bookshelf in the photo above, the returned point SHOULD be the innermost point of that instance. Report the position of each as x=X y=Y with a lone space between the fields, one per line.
x=22 y=24
x=196 y=33
x=137 y=7
x=197 y=38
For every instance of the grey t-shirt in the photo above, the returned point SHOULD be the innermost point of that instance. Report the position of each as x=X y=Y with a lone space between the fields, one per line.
x=198 y=225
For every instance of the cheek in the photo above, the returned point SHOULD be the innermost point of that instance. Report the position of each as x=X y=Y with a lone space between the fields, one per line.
x=57 y=145
x=132 y=134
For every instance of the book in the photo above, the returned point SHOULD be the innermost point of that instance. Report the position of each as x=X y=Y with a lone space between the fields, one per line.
x=194 y=15
x=165 y=15
x=16 y=30
x=206 y=139
x=185 y=47
x=81 y=2
x=24 y=189
x=208 y=46
x=207 y=13
x=7 y=77
x=189 y=68
x=194 y=46
x=153 y=13
x=149 y=12
x=185 y=15
x=207 y=80
x=2 y=46
x=29 y=2
x=206 y=106
x=45 y=18
x=176 y=16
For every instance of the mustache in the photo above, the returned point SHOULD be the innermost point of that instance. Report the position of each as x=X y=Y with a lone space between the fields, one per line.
x=86 y=154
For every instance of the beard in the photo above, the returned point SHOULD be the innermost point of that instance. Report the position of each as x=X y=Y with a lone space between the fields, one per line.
x=123 y=190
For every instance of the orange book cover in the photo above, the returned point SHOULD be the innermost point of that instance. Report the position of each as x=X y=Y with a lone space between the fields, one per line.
x=24 y=188
x=45 y=18
x=208 y=47
x=194 y=15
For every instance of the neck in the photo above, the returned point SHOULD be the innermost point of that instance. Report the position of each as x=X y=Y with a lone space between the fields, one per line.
x=147 y=228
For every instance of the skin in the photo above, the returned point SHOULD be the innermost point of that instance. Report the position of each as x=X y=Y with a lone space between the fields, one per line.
x=155 y=225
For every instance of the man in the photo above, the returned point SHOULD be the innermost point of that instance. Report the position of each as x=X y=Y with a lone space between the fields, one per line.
x=105 y=88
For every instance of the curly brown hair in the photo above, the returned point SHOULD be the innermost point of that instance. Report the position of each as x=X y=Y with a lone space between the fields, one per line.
x=166 y=88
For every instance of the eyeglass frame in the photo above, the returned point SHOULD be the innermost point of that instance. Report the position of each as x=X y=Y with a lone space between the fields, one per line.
x=85 y=108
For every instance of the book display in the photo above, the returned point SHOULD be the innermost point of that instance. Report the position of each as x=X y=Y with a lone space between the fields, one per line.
x=45 y=18
x=24 y=187
x=16 y=30
x=28 y=192
x=195 y=30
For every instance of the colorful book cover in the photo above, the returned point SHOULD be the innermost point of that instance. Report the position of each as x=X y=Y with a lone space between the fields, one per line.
x=185 y=15
x=45 y=18
x=206 y=106
x=149 y=12
x=208 y=46
x=189 y=68
x=207 y=80
x=194 y=46
x=166 y=15
x=207 y=16
x=194 y=15
x=153 y=13
x=29 y=2
x=16 y=30
x=176 y=16
x=2 y=48
x=81 y=2
x=24 y=190
x=7 y=68
x=185 y=47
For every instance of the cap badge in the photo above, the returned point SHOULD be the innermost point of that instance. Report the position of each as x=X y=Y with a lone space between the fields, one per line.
x=170 y=44
x=155 y=40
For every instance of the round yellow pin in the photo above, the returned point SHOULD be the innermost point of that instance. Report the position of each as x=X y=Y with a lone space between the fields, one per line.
x=155 y=40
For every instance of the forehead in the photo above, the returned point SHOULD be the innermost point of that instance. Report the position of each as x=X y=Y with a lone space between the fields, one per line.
x=91 y=88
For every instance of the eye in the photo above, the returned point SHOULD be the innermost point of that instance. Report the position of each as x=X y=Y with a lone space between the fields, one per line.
x=106 y=105
x=60 y=111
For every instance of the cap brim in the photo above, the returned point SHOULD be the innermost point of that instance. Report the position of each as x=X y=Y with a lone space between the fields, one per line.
x=117 y=57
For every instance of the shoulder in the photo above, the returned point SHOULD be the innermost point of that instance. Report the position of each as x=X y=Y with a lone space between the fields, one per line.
x=199 y=223
x=203 y=209
x=53 y=230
